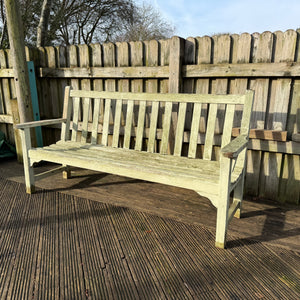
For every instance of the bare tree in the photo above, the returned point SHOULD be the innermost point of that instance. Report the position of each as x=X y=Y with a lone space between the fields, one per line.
x=65 y=22
x=87 y=21
x=43 y=23
x=147 y=24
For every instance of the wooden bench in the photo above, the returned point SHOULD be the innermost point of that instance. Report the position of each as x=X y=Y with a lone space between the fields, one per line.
x=118 y=133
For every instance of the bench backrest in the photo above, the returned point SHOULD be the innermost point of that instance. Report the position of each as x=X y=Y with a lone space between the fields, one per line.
x=125 y=119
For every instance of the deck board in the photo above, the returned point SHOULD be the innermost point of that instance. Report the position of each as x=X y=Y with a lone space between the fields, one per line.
x=98 y=236
x=56 y=245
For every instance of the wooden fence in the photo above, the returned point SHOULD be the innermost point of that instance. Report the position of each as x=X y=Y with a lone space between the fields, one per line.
x=268 y=63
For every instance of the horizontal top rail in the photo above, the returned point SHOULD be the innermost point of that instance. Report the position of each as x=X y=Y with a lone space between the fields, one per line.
x=238 y=70
x=162 y=97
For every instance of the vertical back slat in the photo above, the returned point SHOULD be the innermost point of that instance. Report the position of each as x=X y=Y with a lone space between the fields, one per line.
x=117 y=123
x=227 y=130
x=128 y=125
x=106 y=122
x=194 y=130
x=166 y=128
x=76 y=103
x=180 y=129
x=153 y=126
x=140 y=126
x=95 y=121
x=247 y=111
x=209 y=137
x=85 y=121
x=67 y=110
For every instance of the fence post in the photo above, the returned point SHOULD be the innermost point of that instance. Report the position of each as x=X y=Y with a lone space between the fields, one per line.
x=16 y=120
x=16 y=40
x=175 y=82
x=175 y=64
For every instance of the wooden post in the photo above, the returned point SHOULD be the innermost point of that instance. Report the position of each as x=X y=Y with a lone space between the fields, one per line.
x=16 y=40
x=16 y=120
x=176 y=59
x=175 y=83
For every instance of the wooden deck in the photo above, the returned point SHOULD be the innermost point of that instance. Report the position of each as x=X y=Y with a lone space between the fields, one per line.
x=138 y=241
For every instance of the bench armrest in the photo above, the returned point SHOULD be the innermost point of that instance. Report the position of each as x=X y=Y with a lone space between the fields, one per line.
x=233 y=149
x=39 y=123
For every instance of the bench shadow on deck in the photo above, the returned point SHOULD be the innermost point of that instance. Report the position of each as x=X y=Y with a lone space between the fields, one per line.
x=58 y=245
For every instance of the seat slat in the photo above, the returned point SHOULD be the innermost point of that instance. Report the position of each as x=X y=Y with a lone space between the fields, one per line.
x=131 y=155
x=133 y=165
x=210 y=131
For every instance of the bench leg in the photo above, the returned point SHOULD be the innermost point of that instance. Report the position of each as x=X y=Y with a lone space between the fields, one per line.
x=67 y=172
x=28 y=170
x=223 y=205
x=238 y=197
x=29 y=179
x=222 y=222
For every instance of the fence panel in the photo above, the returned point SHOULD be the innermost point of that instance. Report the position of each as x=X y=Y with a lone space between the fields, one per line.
x=268 y=63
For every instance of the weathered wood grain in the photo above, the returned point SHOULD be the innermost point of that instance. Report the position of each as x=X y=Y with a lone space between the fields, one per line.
x=261 y=53
x=203 y=176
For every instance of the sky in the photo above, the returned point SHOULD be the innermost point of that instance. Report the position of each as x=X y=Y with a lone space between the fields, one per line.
x=193 y=18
